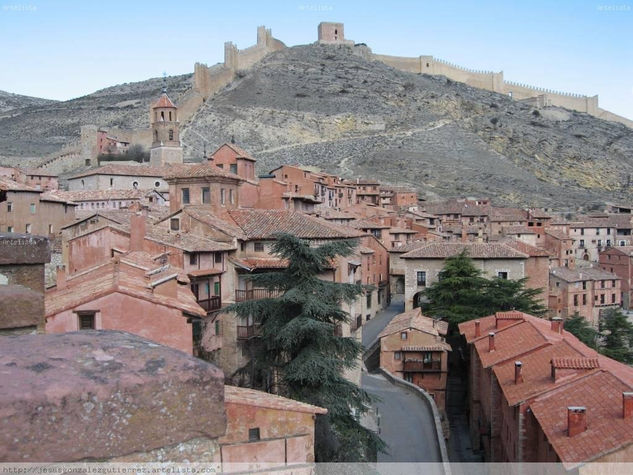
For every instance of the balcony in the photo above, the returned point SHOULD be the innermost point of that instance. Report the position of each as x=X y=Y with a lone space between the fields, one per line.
x=246 y=332
x=211 y=304
x=418 y=366
x=255 y=294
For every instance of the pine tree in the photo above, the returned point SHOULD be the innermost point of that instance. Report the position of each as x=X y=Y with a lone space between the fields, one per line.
x=462 y=293
x=299 y=355
x=582 y=329
x=616 y=336
x=458 y=295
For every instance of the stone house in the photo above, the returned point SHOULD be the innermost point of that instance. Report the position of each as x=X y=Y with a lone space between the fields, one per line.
x=133 y=292
x=413 y=348
x=367 y=192
x=24 y=209
x=231 y=158
x=618 y=261
x=529 y=399
x=560 y=247
x=397 y=197
x=587 y=291
x=120 y=177
x=22 y=260
x=423 y=264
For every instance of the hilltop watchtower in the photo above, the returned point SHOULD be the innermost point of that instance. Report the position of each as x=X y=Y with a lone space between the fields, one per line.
x=165 y=132
x=332 y=33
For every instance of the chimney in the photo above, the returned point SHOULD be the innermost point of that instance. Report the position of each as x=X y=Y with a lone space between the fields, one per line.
x=576 y=420
x=518 y=374
x=557 y=324
x=61 y=277
x=477 y=328
x=137 y=231
x=491 y=341
x=627 y=404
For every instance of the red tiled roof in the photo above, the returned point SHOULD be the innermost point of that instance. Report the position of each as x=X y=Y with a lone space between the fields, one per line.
x=536 y=370
x=510 y=342
x=525 y=248
x=414 y=319
x=582 y=274
x=508 y=214
x=558 y=234
x=260 y=263
x=601 y=394
x=7 y=184
x=164 y=101
x=96 y=195
x=124 y=170
x=443 y=250
x=241 y=153
x=263 y=224
x=251 y=397
x=202 y=170
x=440 y=346
x=574 y=363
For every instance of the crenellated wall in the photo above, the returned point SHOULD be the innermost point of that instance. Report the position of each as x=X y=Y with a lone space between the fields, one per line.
x=492 y=81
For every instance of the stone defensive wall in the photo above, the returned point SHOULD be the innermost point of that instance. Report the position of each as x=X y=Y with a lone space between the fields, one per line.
x=492 y=81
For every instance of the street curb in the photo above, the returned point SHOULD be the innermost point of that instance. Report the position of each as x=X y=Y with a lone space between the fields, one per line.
x=422 y=394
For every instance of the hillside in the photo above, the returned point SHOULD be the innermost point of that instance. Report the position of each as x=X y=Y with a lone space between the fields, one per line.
x=328 y=106
x=11 y=102
x=37 y=129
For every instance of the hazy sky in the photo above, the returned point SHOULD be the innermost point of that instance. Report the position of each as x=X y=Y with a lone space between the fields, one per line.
x=65 y=49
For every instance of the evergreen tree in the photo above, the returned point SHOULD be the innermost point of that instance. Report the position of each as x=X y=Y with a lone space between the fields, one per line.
x=462 y=293
x=458 y=295
x=616 y=336
x=298 y=353
x=582 y=329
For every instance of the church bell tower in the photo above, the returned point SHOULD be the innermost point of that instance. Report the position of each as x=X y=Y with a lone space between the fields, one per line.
x=165 y=132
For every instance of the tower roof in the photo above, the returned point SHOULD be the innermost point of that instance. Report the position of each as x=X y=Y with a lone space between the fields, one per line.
x=163 y=101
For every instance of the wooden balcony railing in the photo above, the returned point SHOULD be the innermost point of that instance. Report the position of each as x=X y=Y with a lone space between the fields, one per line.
x=420 y=366
x=211 y=304
x=244 y=332
x=254 y=294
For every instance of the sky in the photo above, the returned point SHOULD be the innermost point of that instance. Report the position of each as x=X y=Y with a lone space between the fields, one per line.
x=66 y=49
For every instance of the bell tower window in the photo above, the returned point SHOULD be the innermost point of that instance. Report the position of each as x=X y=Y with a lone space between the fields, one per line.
x=171 y=134
x=170 y=116
x=162 y=115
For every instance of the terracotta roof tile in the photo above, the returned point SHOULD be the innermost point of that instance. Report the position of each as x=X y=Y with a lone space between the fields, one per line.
x=197 y=171
x=251 y=397
x=96 y=195
x=260 y=263
x=123 y=170
x=442 y=250
x=164 y=101
x=414 y=319
x=263 y=224
x=241 y=153
x=601 y=394
x=574 y=362
x=582 y=274
x=7 y=184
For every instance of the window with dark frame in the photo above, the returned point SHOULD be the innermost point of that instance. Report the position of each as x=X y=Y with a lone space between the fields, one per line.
x=185 y=196
x=217 y=257
x=253 y=434
x=174 y=224
x=206 y=195
x=259 y=247
x=421 y=277
x=86 y=320
x=193 y=259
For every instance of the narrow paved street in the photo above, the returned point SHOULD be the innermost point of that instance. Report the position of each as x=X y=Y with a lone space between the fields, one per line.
x=373 y=327
x=406 y=423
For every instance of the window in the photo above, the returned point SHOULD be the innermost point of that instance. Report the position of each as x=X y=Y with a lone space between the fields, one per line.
x=156 y=184
x=32 y=208
x=253 y=434
x=222 y=196
x=174 y=224
x=9 y=206
x=582 y=243
x=575 y=300
x=86 y=320
x=231 y=197
x=170 y=115
x=135 y=185
x=87 y=162
x=171 y=134
x=602 y=299
x=597 y=231
x=258 y=247
x=584 y=299
x=111 y=181
x=397 y=355
x=369 y=299
x=582 y=231
x=218 y=257
x=28 y=229
x=603 y=284
x=233 y=168
x=220 y=165
x=403 y=335
x=50 y=229
x=612 y=298
x=9 y=229
x=206 y=195
x=502 y=275
x=584 y=285
x=185 y=196
x=193 y=259
x=421 y=278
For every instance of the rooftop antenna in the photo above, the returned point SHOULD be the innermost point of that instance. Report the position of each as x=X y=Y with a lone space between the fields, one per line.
x=164 y=82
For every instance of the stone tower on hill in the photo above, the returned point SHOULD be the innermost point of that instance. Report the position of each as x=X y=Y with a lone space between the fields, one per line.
x=332 y=33
x=165 y=132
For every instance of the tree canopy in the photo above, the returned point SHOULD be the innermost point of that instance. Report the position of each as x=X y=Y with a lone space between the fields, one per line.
x=298 y=352
x=462 y=293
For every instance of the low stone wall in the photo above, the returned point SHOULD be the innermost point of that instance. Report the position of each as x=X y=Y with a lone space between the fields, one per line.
x=428 y=400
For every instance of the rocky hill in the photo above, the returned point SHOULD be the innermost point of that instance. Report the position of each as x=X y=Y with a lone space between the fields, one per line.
x=11 y=102
x=39 y=128
x=330 y=106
